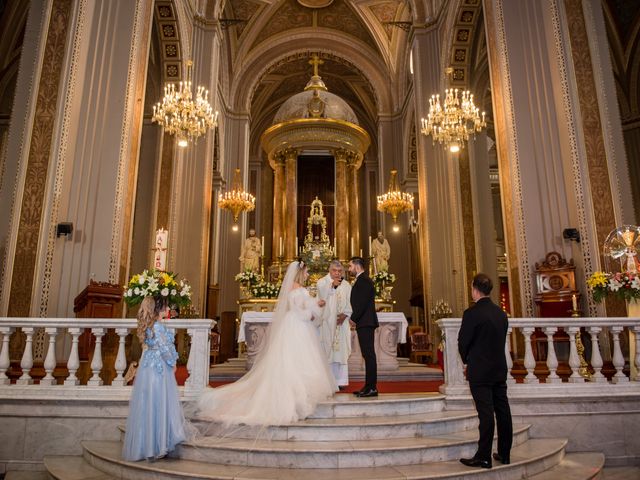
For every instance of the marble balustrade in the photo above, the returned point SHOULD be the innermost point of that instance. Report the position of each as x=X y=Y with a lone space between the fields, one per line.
x=621 y=330
x=54 y=328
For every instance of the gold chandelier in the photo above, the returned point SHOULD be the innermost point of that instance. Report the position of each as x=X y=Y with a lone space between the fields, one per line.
x=237 y=200
x=453 y=124
x=394 y=202
x=179 y=114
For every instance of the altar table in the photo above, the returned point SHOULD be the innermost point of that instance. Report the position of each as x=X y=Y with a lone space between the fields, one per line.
x=392 y=331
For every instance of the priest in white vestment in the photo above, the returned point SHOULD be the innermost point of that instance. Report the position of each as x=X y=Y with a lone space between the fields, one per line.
x=335 y=331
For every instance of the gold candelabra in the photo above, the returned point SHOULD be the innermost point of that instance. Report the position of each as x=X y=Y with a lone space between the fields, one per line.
x=455 y=120
x=394 y=202
x=182 y=115
x=236 y=200
x=584 y=366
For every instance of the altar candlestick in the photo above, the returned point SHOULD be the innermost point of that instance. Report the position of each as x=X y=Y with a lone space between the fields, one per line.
x=574 y=302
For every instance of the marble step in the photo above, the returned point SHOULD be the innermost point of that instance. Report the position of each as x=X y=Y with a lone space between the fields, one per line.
x=338 y=454
x=352 y=428
x=73 y=468
x=26 y=475
x=528 y=459
x=575 y=466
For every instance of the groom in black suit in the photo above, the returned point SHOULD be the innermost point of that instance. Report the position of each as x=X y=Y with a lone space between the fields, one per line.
x=364 y=316
x=481 y=342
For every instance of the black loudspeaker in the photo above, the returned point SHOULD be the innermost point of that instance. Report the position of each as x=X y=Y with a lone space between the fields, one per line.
x=571 y=234
x=64 y=229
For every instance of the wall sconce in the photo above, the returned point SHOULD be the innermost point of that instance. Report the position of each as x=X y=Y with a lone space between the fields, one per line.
x=64 y=229
x=571 y=234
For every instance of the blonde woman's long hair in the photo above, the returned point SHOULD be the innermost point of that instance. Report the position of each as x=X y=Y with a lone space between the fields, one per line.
x=147 y=316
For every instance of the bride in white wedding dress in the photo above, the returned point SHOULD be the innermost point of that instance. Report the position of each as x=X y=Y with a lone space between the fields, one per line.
x=290 y=375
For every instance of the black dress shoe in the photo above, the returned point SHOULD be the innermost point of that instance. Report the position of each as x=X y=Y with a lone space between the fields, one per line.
x=357 y=392
x=503 y=460
x=370 y=392
x=475 y=462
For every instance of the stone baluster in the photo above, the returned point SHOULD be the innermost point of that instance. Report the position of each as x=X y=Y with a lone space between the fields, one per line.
x=618 y=358
x=188 y=383
x=74 y=360
x=636 y=360
x=4 y=355
x=574 y=359
x=507 y=354
x=27 y=358
x=529 y=360
x=50 y=359
x=96 y=362
x=121 y=359
x=552 y=359
x=596 y=358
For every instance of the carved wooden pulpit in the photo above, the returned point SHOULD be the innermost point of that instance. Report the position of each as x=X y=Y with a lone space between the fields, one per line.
x=556 y=281
x=98 y=300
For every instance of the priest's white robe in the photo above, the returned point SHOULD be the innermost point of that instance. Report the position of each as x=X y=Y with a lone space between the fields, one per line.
x=336 y=339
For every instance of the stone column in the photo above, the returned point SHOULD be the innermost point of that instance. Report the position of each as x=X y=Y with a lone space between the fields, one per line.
x=291 y=204
x=354 y=210
x=278 y=206
x=342 y=206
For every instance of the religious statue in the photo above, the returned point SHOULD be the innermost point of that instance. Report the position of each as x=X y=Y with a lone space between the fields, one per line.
x=251 y=252
x=381 y=252
x=317 y=251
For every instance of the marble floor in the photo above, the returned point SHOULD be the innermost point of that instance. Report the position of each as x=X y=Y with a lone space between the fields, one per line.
x=621 y=473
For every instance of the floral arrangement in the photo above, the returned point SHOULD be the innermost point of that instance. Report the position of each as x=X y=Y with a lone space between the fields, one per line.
x=381 y=279
x=265 y=290
x=157 y=283
x=624 y=285
x=249 y=278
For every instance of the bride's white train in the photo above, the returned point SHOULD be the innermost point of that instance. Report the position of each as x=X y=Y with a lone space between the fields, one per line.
x=290 y=376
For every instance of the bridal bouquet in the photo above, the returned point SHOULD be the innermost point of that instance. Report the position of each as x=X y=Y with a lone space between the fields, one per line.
x=624 y=285
x=154 y=283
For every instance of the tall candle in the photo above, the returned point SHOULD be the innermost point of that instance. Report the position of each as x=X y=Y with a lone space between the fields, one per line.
x=280 y=247
x=352 y=247
x=371 y=246
x=360 y=252
x=262 y=246
x=574 y=302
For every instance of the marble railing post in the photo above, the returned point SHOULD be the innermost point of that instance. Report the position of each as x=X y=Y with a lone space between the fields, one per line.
x=50 y=360
x=121 y=359
x=4 y=355
x=27 y=358
x=74 y=360
x=291 y=207
x=507 y=354
x=574 y=359
x=618 y=358
x=453 y=366
x=552 y=360
x=198 y=370
x=96 y=362
x=596 y=357
x=342 y=206
x=529 y=359
x=636 y=330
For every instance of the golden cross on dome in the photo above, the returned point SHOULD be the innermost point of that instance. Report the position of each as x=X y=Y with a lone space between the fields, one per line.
x=315 y=61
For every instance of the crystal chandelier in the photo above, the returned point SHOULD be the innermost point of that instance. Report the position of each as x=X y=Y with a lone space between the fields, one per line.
x=236 y=200
x=180 y=115
x=394 y=202
x=453 y=124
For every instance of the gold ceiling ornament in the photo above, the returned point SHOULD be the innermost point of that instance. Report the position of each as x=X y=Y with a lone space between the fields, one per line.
x=394 y=202
x=456 y=121
x=180 y=115
x=236 y=200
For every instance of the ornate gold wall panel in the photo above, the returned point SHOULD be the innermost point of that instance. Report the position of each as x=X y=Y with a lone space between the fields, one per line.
x=466 y=207
x=598 y=170
x=498 y=86
x=38 y=161
x=166 y=174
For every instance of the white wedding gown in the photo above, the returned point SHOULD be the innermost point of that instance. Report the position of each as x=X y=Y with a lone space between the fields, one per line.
x=289 y=378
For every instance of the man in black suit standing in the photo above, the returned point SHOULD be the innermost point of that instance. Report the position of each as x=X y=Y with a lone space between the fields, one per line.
x=364 y=316
x=481 y=343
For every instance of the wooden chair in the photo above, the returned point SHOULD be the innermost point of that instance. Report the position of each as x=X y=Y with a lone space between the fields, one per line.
x=414 y=329
x=420 y=347
x=214 y=347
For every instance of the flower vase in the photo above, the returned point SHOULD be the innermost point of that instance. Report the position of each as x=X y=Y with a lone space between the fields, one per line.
x=245 y=292
x=386 y=293
x=633 y=310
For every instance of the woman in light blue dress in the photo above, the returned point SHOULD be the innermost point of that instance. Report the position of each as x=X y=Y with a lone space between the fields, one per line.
x=156 y=423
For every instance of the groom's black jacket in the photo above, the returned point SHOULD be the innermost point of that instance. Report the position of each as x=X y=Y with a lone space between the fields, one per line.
x=363 y=304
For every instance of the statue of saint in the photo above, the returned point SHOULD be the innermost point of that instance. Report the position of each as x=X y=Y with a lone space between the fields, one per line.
x=380 y=251
x=250 y=253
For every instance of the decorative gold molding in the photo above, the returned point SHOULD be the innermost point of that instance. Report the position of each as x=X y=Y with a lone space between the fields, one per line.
x=466 y=202
x=38 y=162
x=597 y=166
